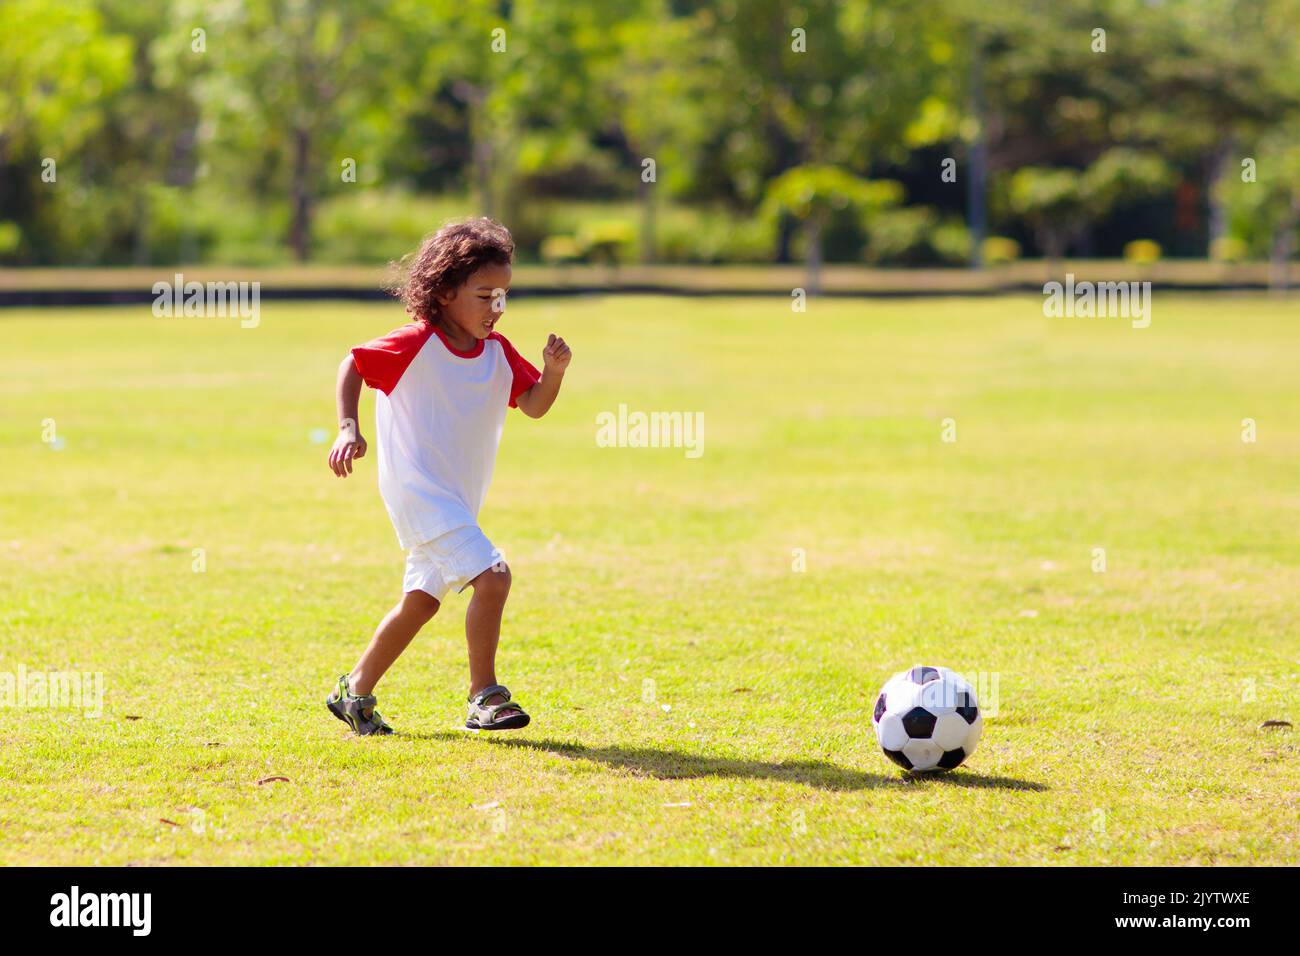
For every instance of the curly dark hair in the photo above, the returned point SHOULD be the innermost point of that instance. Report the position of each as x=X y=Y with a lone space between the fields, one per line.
x=446 y=259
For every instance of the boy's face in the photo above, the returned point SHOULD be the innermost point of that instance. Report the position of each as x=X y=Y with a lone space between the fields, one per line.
x=477 y=306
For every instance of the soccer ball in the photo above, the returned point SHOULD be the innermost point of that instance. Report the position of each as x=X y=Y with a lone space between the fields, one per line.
x=927 y=719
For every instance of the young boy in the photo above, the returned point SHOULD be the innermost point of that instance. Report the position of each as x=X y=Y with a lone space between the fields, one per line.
x=444 y=382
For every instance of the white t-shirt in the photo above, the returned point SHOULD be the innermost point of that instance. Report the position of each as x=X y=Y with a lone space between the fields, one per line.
x=438 y=420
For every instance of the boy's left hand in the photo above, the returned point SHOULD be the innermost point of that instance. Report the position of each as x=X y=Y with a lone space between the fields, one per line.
x=556 y=355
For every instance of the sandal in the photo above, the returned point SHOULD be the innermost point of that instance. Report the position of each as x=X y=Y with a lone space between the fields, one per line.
x=485 y=716
x=358 y=712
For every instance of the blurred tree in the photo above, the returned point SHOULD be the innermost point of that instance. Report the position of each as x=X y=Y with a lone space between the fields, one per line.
x=1059 y=203
x=526 y=86
x=148 y=146
x=1259 y=182
x=1262 y=199
x=657 y=82
x=1184 y=79
x=293 y=89
x=465 y=49
x=826 y=83
x=58 y=63
x=810 y=194
x=554 y=105
x=1213 y=75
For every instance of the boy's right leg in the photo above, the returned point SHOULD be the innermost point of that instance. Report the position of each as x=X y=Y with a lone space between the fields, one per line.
x=394 y=633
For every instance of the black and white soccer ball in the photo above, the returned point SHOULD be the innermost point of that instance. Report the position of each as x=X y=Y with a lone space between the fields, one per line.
x=927 y=718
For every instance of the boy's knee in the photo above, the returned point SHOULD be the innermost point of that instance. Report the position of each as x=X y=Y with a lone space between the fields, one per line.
x=420 y=603
x=494 y=583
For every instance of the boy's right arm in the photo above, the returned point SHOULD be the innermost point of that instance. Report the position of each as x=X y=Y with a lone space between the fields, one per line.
x=349 y=444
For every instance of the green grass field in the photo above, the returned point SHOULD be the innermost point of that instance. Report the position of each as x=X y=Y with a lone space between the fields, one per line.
x=694 y=699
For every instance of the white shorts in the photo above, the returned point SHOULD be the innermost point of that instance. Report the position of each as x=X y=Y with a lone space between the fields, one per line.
x=451 y=560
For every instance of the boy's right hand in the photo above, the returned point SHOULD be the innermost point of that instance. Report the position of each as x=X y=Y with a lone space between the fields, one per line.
x=347 y=446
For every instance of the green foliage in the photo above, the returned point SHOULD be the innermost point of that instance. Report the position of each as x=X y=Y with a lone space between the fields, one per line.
x=381 y=225
x=57 y=62
x=999 y=250
x=685 y=233
x=1229 y=249
x=813 y=192
x=1058 y=203
x=902 y=235
x=867 y=74
x=11 y=238
x=1264 y=213
x=812 y=195
x=916 y=235
x=715 y=236
x=291 y=89
x=771 y=112
x=556 y=250
x=1122 y=175
x=951 y=241
x=607 y=241
x=1046 y=194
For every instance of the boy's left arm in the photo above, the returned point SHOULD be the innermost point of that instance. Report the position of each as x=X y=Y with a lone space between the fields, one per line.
x=537 y=401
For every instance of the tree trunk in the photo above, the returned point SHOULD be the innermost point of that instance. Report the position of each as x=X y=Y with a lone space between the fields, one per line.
x=976 y=179
x=481 y=153
x=1218 y=224
x=483 y=175
x=300 y=229
x=140 y=252
x=1283 y=246
x=813 y=254
x=1054 y=243
x=647 y=191
x=784 y=236
x=480 y=138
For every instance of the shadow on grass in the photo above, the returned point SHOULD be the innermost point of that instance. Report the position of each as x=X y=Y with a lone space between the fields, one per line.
x=677 y=765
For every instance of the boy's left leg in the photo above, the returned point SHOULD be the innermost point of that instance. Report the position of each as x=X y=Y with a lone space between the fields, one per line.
x=483 y=632
x=353 y=699
x=395 y=632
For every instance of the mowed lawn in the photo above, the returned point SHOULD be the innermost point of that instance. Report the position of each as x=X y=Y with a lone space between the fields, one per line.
x=695 y=698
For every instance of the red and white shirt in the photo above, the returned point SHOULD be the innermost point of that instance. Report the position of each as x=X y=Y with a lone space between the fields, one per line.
x=439 y=413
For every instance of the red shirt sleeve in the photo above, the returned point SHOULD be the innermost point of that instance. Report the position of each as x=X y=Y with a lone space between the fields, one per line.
x=382 y=361
x=524 y=372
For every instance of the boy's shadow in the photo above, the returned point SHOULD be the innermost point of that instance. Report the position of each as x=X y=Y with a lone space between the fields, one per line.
x=678 y=765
